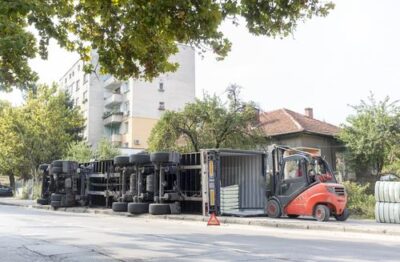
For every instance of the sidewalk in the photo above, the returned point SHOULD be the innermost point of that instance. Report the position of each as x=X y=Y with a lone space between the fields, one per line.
x=352 y=225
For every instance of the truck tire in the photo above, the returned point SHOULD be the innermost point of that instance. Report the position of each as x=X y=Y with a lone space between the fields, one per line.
x=138 y=208
x=140 y=158
x=380 y=192
x=120 y=206
x=344 y=216
x=159 y=209
x=56 y=170
x=159 y=157
x=42 y=201
x=377 y=216
x=397 y=192
x=55 y=204
x=397 y=213
x=386 y=192
x=55 y=197
x=377 y=185
x=121 y=160
x=273 y=209
x=322 y=213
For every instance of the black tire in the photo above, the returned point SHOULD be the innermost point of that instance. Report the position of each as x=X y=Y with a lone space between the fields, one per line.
x=140 y=158
x=56 y=170
x=138 y=208
x=273 y=209
x=293 y=216
x=322 y=213
x=344 y=216
x=42 y=201
x=120 y=206
x=159 y=157
x=159 y=209
x=55 y=197
x=55 y=204
x=121 y=160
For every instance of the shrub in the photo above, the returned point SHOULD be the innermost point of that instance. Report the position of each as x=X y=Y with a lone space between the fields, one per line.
x=360 y=203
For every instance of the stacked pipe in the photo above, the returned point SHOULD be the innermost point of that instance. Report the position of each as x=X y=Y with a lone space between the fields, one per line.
x=387 y=207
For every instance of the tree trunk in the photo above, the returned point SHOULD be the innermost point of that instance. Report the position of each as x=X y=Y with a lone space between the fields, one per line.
x=11 y=177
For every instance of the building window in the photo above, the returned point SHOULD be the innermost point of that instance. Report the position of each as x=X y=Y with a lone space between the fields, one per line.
x=77 y=101
x=65 y=80
x=124 y=88
x=125 y=108
x=161 y=106
x=161 y=87
x=72 y=73
x=79 y=67
x=84 y=97
x=85 y=78
x=77 y=85
x=69 y=75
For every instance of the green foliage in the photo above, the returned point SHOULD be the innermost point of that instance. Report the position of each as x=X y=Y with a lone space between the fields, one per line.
x=209 y=123
x=372 y=135
x=360 y=203
x=134 y=38
x=37 y=132
x=79 y=151
x=106 y=150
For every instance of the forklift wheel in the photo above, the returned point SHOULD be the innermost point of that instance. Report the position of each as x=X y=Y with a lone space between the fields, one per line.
x=322 y=213
x=344 y=216
x=274 y=209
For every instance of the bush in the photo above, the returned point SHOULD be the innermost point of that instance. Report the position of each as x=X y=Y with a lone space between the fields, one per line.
x=360 y=203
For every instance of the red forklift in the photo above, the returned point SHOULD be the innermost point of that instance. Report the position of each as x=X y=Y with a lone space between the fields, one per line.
x=302 y=184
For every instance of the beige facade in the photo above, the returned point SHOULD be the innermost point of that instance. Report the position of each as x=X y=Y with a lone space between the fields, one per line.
x=126 y=111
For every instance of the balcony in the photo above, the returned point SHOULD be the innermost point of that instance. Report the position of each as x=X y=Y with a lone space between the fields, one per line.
x=112 y=118
x=113 y=100
x=116 y=138
x=110 y=82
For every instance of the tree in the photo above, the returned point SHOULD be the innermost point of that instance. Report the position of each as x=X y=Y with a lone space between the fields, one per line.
x=373 y=133
x=209 y=123
x=106 y=150
x=134 y=38
x=39 y=131
x=12 y=161
x=79 y=151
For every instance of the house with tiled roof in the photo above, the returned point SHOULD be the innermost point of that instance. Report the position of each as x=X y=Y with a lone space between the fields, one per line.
x=286 y=127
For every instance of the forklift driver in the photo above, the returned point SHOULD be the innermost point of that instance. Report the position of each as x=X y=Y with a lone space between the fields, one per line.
x=318 y=172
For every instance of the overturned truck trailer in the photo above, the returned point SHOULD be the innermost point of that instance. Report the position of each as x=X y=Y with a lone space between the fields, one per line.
x=223 y=181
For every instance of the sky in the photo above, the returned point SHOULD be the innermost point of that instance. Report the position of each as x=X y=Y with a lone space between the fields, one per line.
x=327 y=64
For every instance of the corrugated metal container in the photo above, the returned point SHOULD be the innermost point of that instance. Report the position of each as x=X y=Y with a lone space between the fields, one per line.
x=247 y=172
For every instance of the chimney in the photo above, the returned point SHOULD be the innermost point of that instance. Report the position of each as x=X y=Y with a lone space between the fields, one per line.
x=308 y=112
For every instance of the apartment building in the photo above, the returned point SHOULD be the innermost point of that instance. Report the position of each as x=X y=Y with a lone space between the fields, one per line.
x=126 y=111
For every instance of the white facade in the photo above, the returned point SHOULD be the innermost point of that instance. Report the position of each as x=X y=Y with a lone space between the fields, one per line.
x=125 y=111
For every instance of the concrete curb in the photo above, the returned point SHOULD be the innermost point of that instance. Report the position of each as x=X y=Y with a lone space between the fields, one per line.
x=265 y=222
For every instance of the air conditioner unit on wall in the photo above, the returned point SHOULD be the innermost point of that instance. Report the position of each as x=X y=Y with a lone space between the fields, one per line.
x=136 y=142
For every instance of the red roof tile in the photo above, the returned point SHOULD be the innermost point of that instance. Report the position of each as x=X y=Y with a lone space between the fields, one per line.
x=284 y=121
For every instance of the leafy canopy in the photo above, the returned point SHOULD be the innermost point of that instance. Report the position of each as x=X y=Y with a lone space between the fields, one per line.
x=372 y=134
x=209 y=123
x=38 y=131
x=134 y=38
x=81 y=152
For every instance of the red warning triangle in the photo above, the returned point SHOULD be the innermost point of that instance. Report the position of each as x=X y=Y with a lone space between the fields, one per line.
x=213 y=221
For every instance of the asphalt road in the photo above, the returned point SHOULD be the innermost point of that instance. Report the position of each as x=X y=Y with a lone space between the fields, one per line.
x=37 y=235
